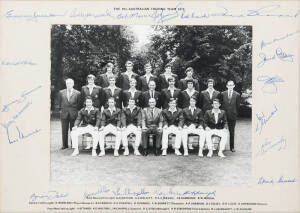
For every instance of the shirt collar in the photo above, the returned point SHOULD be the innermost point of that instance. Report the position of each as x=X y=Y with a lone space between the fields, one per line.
x=113 y=109
x=189 y=91
x=169 y=88
x=132 y=90
x=173 y=110
x=132 y=108
x=127 y=73
x=209 y=90
x=217 y=111
x=191 y=107
x=71 y=90
x=150 y=75
x=112 y=87
x=91 y=85
x=92 y=108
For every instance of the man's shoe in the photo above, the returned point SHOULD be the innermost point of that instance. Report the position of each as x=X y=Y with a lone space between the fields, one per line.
x=177 y=152
x=200 y=154
x=156 y=152
x=164 y=152
x=232 y=150
x=186 y=153
x=116 y=153
x=145 y=152
x=126 y=152
x=220 y=154
x=75 y=153
x=64 y=147
x=210 y=153
x=94 y=154
x=191 y=146
x=136 y=152
x=102 y=153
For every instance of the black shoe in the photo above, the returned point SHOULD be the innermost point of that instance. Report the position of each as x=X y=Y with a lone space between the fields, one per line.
x=156 y=152
x=145 y=152
x=64 y=147
x=232 y=150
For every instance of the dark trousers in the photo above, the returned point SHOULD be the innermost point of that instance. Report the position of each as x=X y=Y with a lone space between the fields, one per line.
x=231 y=127
x=156 y=133
x=66 y=124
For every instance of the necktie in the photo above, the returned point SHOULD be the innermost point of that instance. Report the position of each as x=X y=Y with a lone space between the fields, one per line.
x=152 y=94
x=152 y=113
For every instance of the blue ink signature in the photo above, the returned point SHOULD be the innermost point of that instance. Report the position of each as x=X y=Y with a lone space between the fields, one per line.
x=100 y=190
x=268 y=145
x=266 y=43
x=161 y=16
x=16 y=63
x=21 y=99
x=267 y=181
x=279 y=53
x=286 y=180
x=171 y=192
x=50 y=195
x=127 y=191
x=263 y=180
x=263 y=120
x=270 y=86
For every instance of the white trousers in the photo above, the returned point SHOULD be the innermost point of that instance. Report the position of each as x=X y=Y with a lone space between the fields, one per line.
x=193 y=130
x=165 y=136
x=223 y=133
x=131 y=129
x=109 y=129
x=83 y=130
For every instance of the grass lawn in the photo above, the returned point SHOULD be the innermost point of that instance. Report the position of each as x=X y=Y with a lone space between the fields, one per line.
x=152 y=170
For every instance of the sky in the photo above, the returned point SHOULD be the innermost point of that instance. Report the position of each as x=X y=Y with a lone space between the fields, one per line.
x=142 y=32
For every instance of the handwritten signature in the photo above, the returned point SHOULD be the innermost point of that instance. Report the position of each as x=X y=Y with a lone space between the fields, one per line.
x=271 y=181
x=263 y=120
x=269 y=145
x=270 y=86
x=266 y=43
x=279 y=53
x=50 y=195
x=17 y=63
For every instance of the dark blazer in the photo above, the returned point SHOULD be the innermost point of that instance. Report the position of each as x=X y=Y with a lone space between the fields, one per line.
x=146 y=96
x=102 y=80
x=123 y=80
x=117 y=95
x=163 y=82
x=134 y=118
x=205 y=101
x=152 y=121
x=126 y=95
x=143 y=84
x=210 y=120
x=108 y=118
x=185 y=99
x=93 y=118
x=166 y=96
x=97 y=96
x=175 y=118
x=70 y=107
x=231 y=107
x=195 y=118
x=183 y=85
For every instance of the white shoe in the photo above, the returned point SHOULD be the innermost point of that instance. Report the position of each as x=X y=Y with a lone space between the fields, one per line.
x=87 y=147
x=126 y=152
x=220 y=154
x=200 y=154
x=186 y=153
x=75 y=153
x=191 y=147
x=102 y=153
x=210 y=153
x=136 y=152
x=164 y=152
x=116 y=153
x=177 y=152
x=94 y=154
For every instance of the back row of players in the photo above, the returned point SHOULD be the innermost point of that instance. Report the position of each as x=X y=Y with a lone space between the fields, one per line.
x=166 y=92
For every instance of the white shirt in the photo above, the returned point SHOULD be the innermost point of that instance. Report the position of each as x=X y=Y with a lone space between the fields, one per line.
x=148 y=77
x=172 y=110
x=190 y=93
x=152 y=93
x=131 y=110
x=230 y=92
x=129 y=74
x=112 y=110
x=192 y=109
x=210 y=92
x=112 y=89
x=167 y=76
x=91 y=88
x=171 y=90
x=92 y=108
x=216 y=114
x=69 y=93
x=132 y=91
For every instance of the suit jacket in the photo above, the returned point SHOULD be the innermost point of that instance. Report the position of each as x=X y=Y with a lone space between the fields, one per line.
x=175 y=118
x=143 y=84
x=185 y=99
x=206 y=101
x=126 y=95
x=166 y=96
x=183 y=85
x=163 y=82
x=108 y=118
x=97 y=96
x=231 y=107
x=123 y=80
x=93 y=118
x=146 y=96
x=117 y=95
x=210 y=121
x=134 y=118
x=196 y=118
x=152 y=121
x=102 y=80
x=68 y=107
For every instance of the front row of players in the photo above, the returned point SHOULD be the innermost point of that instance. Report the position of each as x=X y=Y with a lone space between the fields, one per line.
x=151 y=120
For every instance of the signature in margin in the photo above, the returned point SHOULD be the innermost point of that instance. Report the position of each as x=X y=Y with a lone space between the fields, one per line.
x=270 y=83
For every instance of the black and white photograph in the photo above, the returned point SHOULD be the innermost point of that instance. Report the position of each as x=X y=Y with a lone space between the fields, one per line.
x=163 y=105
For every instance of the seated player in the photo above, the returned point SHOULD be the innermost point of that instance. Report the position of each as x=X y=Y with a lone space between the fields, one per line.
x=132 y=93
x=188 y=93
x=110 y=124
x=112 y=92
x=189 y=76
x=131 y=120
x=89 y=117
x=151 y=93
x=193 y=124
x=152 y=121
x=170 y=92
x=216 y=124
x=173 y=122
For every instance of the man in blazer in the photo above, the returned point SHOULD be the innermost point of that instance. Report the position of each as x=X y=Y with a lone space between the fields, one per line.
x=103 y=79
x=124 y=78
x=110 y=124
x=189 y=76
x=163 y=78
x=151 y=93
x=230 y=100
x=69 y=104
x=173 y=123
x=152 y=121
x=144 y=80
x=216 y=124
x=207 y=96
x=170 y=92
x=132 y=93
x=131 y=120
x=89 y=120
x=189 y=92
x=193 y=124
x=112 y=92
